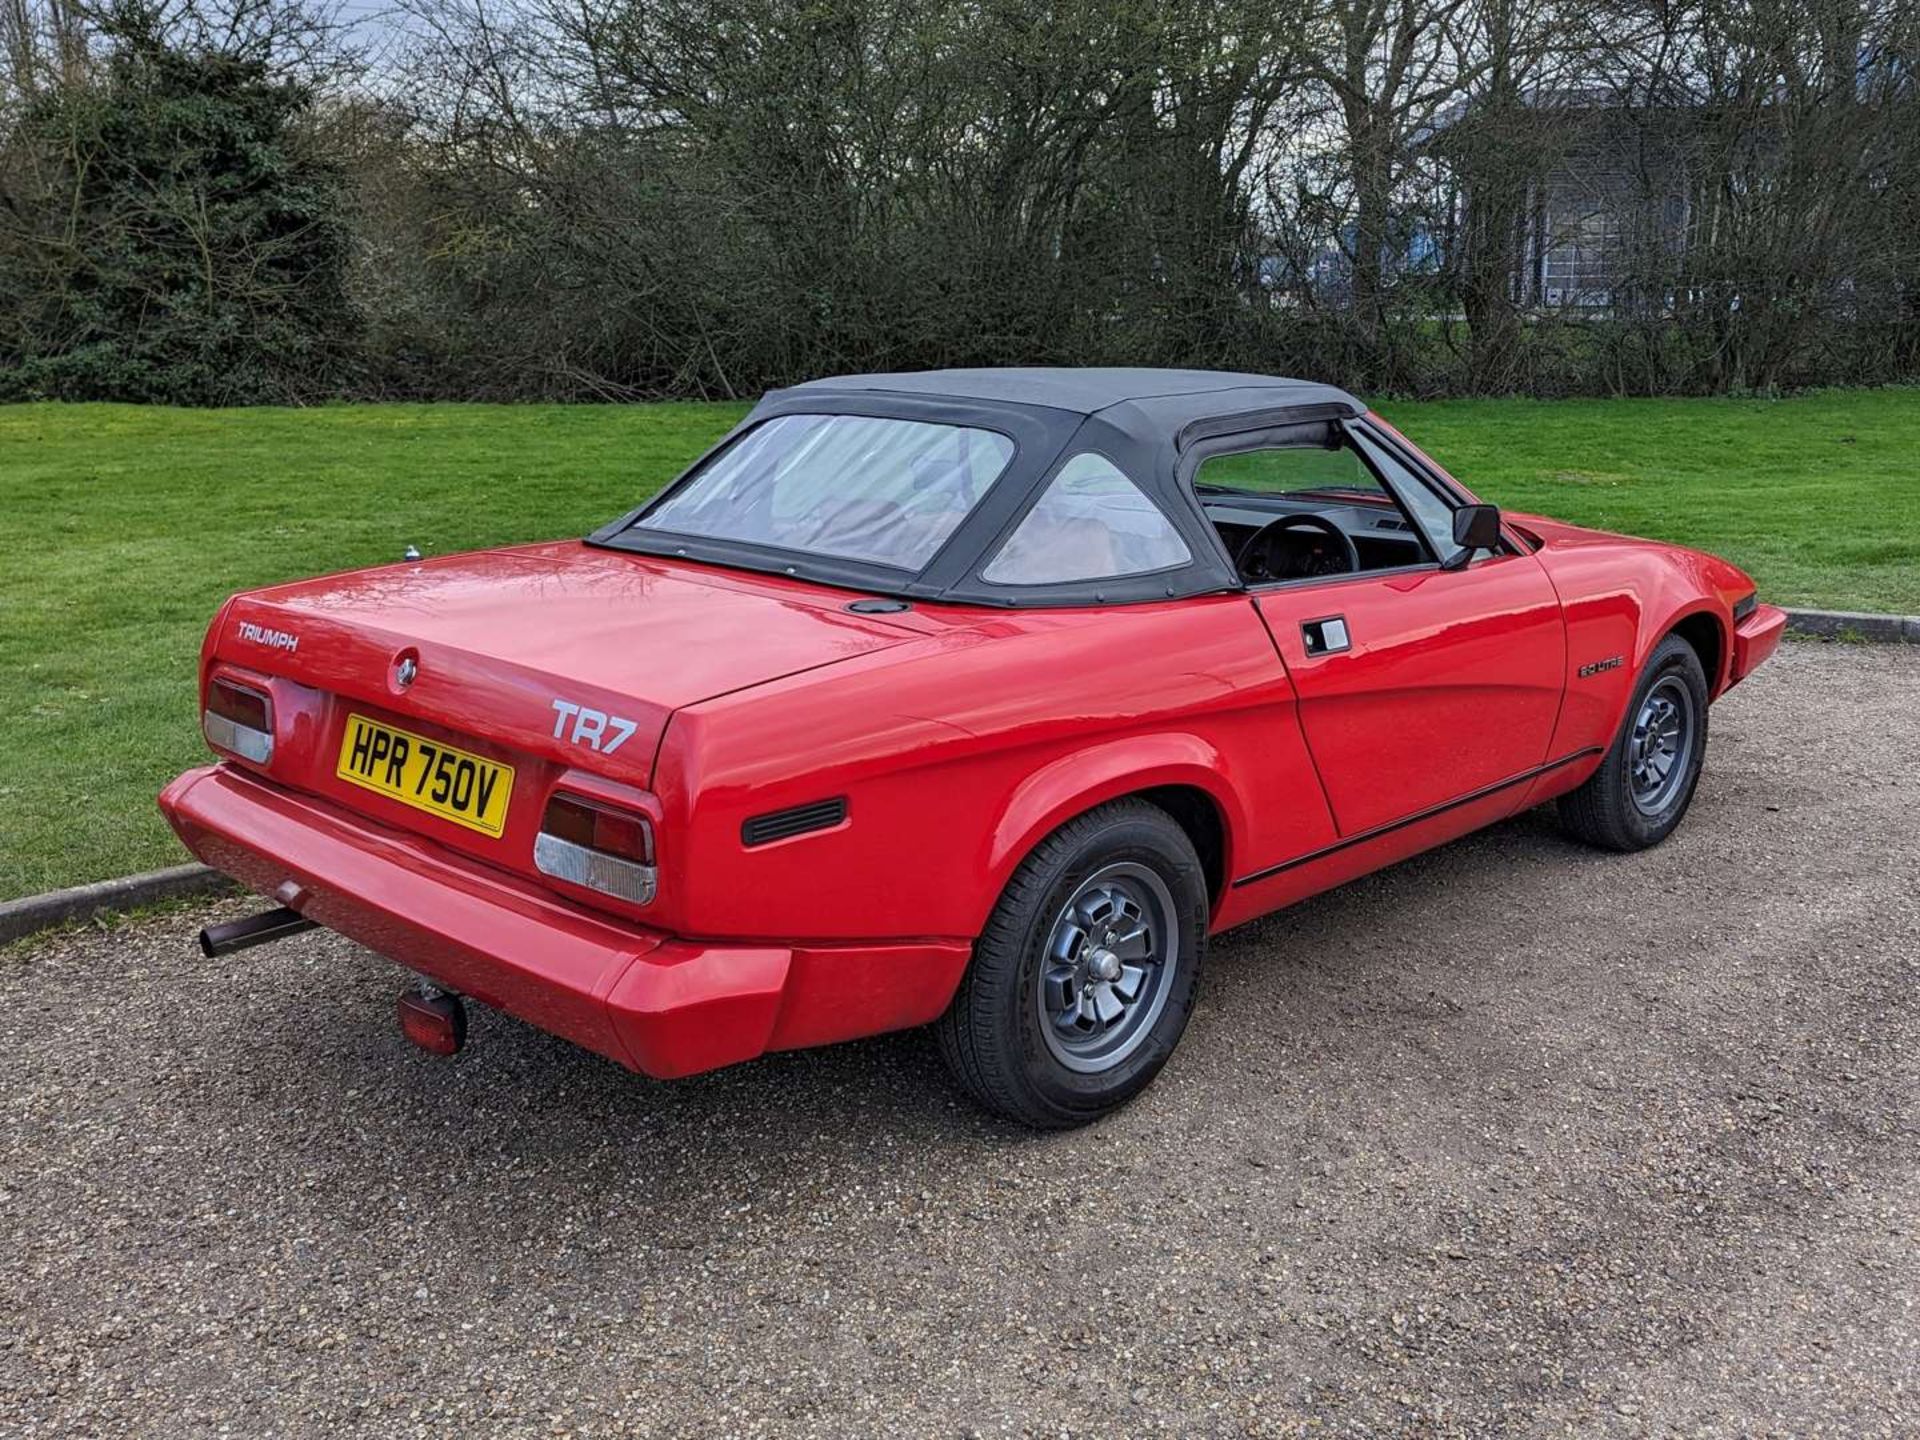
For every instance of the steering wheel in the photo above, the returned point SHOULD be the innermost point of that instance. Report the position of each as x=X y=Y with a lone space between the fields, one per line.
x=1280 y=550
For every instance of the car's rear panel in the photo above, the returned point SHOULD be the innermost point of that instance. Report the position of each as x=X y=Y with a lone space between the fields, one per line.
x=554 y=663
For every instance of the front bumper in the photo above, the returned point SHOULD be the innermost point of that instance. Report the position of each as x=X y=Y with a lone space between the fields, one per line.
x=1754 y=639
x=659 y=1005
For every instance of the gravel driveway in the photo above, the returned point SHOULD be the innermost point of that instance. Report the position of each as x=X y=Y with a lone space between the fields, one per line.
x=1513 y=1139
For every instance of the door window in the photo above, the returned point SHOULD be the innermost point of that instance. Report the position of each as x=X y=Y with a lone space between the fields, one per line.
x=1430 y=512
x=1290 y=470
x=1305 y=511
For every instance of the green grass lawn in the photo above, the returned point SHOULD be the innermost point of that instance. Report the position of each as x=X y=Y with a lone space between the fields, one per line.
x=122 y=528
x=1817 y=497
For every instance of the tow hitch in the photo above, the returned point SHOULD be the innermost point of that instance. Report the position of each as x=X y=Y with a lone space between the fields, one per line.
x=433 y=1019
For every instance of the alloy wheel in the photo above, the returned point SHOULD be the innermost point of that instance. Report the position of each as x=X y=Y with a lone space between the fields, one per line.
x=1660 y=749
x=1111 y=956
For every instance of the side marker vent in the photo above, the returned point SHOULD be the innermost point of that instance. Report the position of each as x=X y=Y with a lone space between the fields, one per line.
x=781 y=824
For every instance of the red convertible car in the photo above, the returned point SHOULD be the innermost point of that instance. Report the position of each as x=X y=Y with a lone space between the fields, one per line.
x=976 y=698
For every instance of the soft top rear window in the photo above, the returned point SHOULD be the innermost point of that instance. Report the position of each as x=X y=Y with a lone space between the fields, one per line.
x=852 y=487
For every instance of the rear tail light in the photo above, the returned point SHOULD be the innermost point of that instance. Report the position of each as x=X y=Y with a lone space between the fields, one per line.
x=587 y=843
x=239 y=720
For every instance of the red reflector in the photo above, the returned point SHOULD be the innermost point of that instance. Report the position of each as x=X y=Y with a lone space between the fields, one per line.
x=623 y=835
x=240 y=705
x=437 y=1023
x=598 y=827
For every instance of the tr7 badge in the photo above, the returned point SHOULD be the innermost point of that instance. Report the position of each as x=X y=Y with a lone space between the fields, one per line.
x=591 y=727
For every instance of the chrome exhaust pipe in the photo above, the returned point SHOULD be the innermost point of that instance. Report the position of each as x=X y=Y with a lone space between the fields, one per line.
x=217 y=940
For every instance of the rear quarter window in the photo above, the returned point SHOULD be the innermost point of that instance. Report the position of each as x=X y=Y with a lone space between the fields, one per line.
x=1090 y=523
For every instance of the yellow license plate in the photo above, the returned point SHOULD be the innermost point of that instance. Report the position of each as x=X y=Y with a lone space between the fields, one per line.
x=426 y=774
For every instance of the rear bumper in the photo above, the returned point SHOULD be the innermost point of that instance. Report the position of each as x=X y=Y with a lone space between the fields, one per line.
x=659 y=1005
x=1754 y=639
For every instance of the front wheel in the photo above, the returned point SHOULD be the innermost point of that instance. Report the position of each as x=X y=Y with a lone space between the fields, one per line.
x=1083 y=979
x=1644 y=786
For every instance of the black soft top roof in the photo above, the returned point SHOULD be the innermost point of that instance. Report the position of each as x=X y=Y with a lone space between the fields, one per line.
x=1153 y=424
x=1181 y=394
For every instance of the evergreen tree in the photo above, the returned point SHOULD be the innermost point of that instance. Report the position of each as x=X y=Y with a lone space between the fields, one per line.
x=180 y=240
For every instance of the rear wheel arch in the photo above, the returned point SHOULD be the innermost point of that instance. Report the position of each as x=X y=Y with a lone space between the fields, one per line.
x=1198 y=813
x=1179 y=774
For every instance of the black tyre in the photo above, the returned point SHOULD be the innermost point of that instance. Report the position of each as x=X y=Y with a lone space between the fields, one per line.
x=1644 y=786
x=1083 y=979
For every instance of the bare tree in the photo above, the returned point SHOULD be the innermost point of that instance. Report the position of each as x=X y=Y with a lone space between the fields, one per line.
x=1389 y=67
x=617 y=198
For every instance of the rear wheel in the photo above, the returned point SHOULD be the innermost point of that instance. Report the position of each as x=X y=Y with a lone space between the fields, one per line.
x=1083 y=979
x=1642 y=789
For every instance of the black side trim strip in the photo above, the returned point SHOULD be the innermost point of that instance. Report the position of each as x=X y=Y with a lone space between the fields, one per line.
x=1432 y=810
x=782 y=824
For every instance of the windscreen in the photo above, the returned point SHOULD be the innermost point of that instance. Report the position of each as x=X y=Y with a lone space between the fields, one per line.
x=853 y=487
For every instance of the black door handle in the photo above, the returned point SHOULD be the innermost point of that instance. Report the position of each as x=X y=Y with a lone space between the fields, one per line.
x=1326 y=637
